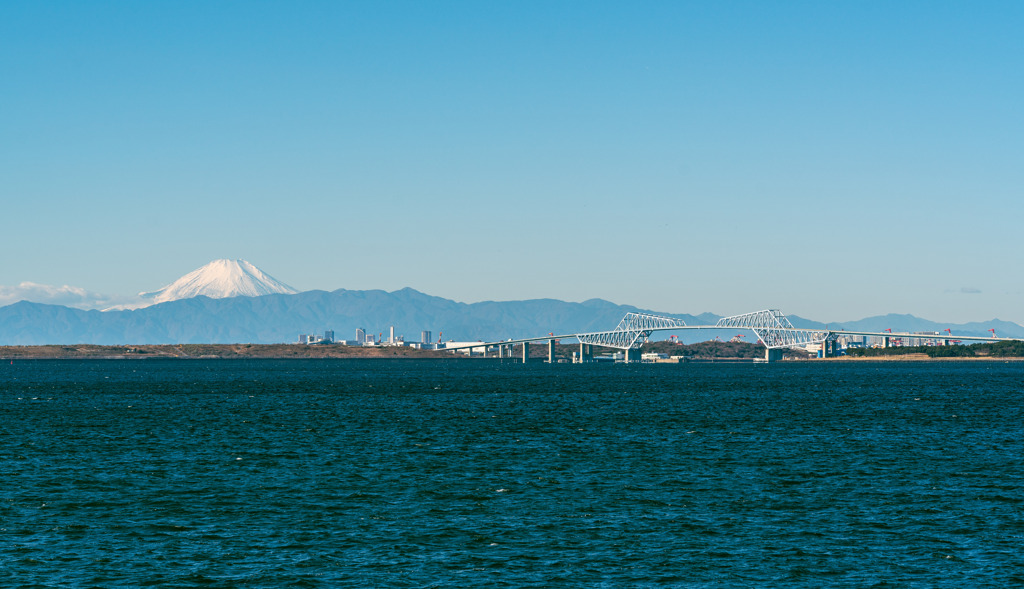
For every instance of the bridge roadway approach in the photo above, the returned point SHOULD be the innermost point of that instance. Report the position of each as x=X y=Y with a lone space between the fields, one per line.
x=773 y=329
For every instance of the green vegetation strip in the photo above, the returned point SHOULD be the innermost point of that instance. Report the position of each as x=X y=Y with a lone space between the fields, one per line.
x=1012 y=349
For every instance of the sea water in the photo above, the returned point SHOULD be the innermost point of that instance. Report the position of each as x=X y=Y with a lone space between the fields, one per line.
x=413 y=473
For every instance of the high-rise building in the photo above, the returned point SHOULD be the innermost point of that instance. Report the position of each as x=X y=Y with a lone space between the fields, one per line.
x=329 y=336
x=425 y=337
x=361 y=335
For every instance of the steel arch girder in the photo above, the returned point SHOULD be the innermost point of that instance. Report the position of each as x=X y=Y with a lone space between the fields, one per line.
x=624 y=340
x=774 y=329
x=631 y=332
x=789 y=338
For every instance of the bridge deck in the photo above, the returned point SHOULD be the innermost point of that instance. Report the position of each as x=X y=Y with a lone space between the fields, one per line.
x=836 y=332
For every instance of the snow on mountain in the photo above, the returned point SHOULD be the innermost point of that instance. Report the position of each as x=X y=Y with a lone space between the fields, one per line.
x=220 y=279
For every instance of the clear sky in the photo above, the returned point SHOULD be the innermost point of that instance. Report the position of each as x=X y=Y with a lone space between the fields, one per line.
x=831 y=159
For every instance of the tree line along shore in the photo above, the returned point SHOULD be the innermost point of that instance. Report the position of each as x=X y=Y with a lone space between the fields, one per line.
x=987 y=350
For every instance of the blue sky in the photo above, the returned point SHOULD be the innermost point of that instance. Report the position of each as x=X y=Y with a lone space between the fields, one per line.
x=831 y=159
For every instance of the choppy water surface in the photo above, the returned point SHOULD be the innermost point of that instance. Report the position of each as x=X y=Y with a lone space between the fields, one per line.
x=319 y=473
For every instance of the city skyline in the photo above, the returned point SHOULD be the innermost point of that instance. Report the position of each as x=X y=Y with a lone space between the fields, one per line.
x=836 y=162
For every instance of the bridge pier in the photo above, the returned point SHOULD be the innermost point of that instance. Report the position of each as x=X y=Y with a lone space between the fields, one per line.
x=526 y=352
x=586 y=353
x=551 y=351
x=772 y=354
x=631 y=355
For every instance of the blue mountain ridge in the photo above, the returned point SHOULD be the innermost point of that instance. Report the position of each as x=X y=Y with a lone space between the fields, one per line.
x=280 y=318
x=910 y=324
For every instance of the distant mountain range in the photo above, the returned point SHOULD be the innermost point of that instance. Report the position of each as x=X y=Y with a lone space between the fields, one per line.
x=912 y=324
x=280 y=318
x=232 y=301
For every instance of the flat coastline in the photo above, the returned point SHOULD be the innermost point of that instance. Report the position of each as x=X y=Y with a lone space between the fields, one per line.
x=923 y=358
x=285 y=351
x=212 y=351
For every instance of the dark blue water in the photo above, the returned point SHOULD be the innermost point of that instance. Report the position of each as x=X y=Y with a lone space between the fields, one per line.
x=473 y=473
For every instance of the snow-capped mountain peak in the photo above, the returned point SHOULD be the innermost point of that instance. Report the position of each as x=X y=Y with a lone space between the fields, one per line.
x=220 y=279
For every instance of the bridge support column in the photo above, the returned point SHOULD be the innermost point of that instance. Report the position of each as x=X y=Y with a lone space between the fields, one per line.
x=586 y=353
x=772 y=354
x=885 y=342
x=526 y=352
x=631 y=355
x=551 y=351
x=830 y=348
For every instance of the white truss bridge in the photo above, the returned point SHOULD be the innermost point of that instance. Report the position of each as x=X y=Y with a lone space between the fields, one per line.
x=772 y=328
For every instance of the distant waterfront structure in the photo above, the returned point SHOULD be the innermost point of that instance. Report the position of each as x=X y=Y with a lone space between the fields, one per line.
x=362 y=338
x=425 y=337
x=307 y=338
x=931 y=338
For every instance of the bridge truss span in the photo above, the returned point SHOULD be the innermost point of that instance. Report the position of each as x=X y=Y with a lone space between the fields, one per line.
x=631 y=332
x=774 y=329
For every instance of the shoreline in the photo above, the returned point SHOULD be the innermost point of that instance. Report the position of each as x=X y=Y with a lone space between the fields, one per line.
x=298 y=352
x=211 y=352
x=921 y=358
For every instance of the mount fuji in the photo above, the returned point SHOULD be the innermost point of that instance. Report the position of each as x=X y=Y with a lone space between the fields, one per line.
x=233 y=301
x=220 y=279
